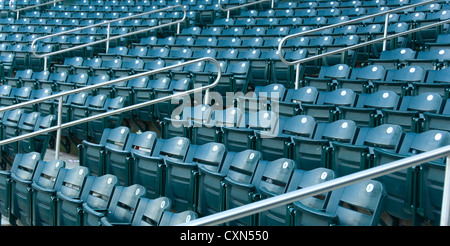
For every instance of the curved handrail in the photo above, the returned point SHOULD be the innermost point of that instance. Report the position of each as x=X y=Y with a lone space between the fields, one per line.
x=296 y=35
x=31 y=7
x=60 y=95
x=371 y=173
x=33 y=44
x=241 y=6
x=384 y=38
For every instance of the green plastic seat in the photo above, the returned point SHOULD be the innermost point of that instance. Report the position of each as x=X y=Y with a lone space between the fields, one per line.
x=211 y=196
x=275 y=181
x=348 y=158
x=401 y=186
x=239 y=185
x=359 y=204
x=123 y=204
x=302 y=179
x=10 y=124
x=119 y=162
x=367 y=111
x=279 y=144
x=92 y=154
x=408 y=115
x=310 y=153
x=181 y=177
x=296 y=97
x=44 y=192
x=96 y=196
x=150 y=211
x=20 y=178
x=170 y=218
x=69 y=190
x=148 y=169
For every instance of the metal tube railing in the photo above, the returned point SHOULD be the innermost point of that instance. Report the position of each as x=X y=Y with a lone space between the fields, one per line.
x=242 y=5
x=30 y=7
x=60 y=95
x=108 y=37
x=293 y=196
x=384 y=38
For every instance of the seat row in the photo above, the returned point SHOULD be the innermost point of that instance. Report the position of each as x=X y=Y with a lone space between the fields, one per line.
x=177 y=168
x=48 y=193
x=18 y=122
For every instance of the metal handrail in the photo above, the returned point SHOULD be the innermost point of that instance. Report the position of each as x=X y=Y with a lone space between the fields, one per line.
x=60 y=96
x=108 y=38
x=384 y=38
x=31 y=7
x=242 y=5
x=293 y=196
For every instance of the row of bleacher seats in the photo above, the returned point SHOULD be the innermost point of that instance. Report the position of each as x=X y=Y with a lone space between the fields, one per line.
x=230 y=140
x=325 y=105
x=261 y=67
x=364 y=108
x=150 y=159
x=414 y=113
x=47 y=193
x=173 y=166
x=426 y=12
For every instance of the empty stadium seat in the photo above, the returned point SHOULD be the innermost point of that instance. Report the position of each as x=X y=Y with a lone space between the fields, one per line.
x=21 y=175
x=124 y=202
x=181 y=179
x=92 y=154
x=150 y=211
x=147 y=167
x=69 y=189
x=366 y=195
x=43 y=204
x=302 y=179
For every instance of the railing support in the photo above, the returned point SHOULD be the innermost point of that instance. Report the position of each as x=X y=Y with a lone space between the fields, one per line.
x=30 y=7
x=108 y=37
x=445 y=212
x=60 y=95
x=384 y=38
x=58 y=132
x=293 y=196
x=243 y=5
x=386 y=22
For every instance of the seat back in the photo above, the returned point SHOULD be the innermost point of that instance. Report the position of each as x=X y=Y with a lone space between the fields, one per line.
x=71 y=184
x=149 y=211
x=171 y=218
x=124 y=203
x=98 y=195
x=366 y=196
x=47 y=172
x=24 y=165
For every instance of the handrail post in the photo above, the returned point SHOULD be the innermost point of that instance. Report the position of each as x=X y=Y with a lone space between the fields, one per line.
x=30 y=7
x=445 y=209
x=297 y=76
x=356 y=46
x=386 y=22
x=107 y=36
x=58 y=132
x=242 y=5
x=45 y=63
